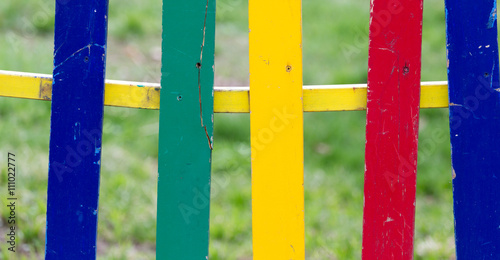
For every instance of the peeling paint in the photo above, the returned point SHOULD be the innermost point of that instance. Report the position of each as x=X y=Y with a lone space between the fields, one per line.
x=493 y=16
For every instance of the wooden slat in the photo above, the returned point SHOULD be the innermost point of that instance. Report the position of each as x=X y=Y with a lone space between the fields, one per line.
x=394 y=59
x=118 y=93
x=231 y=100
x=473 y=74
x=186 y=129
x=76 y=129
x=276 y=127
x=317 y=98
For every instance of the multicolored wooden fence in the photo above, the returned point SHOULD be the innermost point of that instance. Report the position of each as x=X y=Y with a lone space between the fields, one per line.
x=276 y=100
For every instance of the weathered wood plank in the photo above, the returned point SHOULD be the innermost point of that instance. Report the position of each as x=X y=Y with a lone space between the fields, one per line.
x=392 y=128
x=276 y=127
x=186 y=129
x=474 y=124
x=76 y=129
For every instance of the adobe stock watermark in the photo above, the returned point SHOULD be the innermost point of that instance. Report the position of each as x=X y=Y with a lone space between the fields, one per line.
x=201 y=198
x=483 y=91
x=75 y=154
x=277 y=124
x=323 y=251
x=226 y=6
x=12 y=199
x=379 y=20
x=28 y=26
x=426 y=149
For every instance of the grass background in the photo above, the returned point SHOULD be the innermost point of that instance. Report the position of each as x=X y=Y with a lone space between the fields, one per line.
x=335 y=40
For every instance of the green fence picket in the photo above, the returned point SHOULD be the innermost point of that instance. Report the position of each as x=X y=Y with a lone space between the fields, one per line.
x=186 y=129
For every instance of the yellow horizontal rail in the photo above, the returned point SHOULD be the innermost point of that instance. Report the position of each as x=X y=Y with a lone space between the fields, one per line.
x=317 y=98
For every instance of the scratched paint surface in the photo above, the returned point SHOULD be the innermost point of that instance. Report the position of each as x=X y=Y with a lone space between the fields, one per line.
x=186 y=129
x=392 y=129
x=276 y=128
x=474 y=124
x=76 y=127
x=317 y=98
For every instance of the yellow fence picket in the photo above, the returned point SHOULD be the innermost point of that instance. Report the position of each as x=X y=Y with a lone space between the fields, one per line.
x=276 y=119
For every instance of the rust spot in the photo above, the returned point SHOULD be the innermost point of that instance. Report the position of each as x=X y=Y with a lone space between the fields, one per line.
x=148 y=96
x=45 y=92
x=288 y=68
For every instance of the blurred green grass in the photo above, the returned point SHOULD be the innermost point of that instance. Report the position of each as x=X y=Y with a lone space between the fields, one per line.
x=335 y=44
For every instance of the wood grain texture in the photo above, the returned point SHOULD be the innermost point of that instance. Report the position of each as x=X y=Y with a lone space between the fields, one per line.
x=276 y=129
x=474 y=124
x=76 y=129
x=392 y=129
x=186 y=129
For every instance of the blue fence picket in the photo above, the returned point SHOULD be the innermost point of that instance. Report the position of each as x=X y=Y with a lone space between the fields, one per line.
x=76 y=128
x=474 y=122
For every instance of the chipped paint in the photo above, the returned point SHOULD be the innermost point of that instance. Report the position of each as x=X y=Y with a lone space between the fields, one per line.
x=474 y=125
x=77 y=93
x=493 y=16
